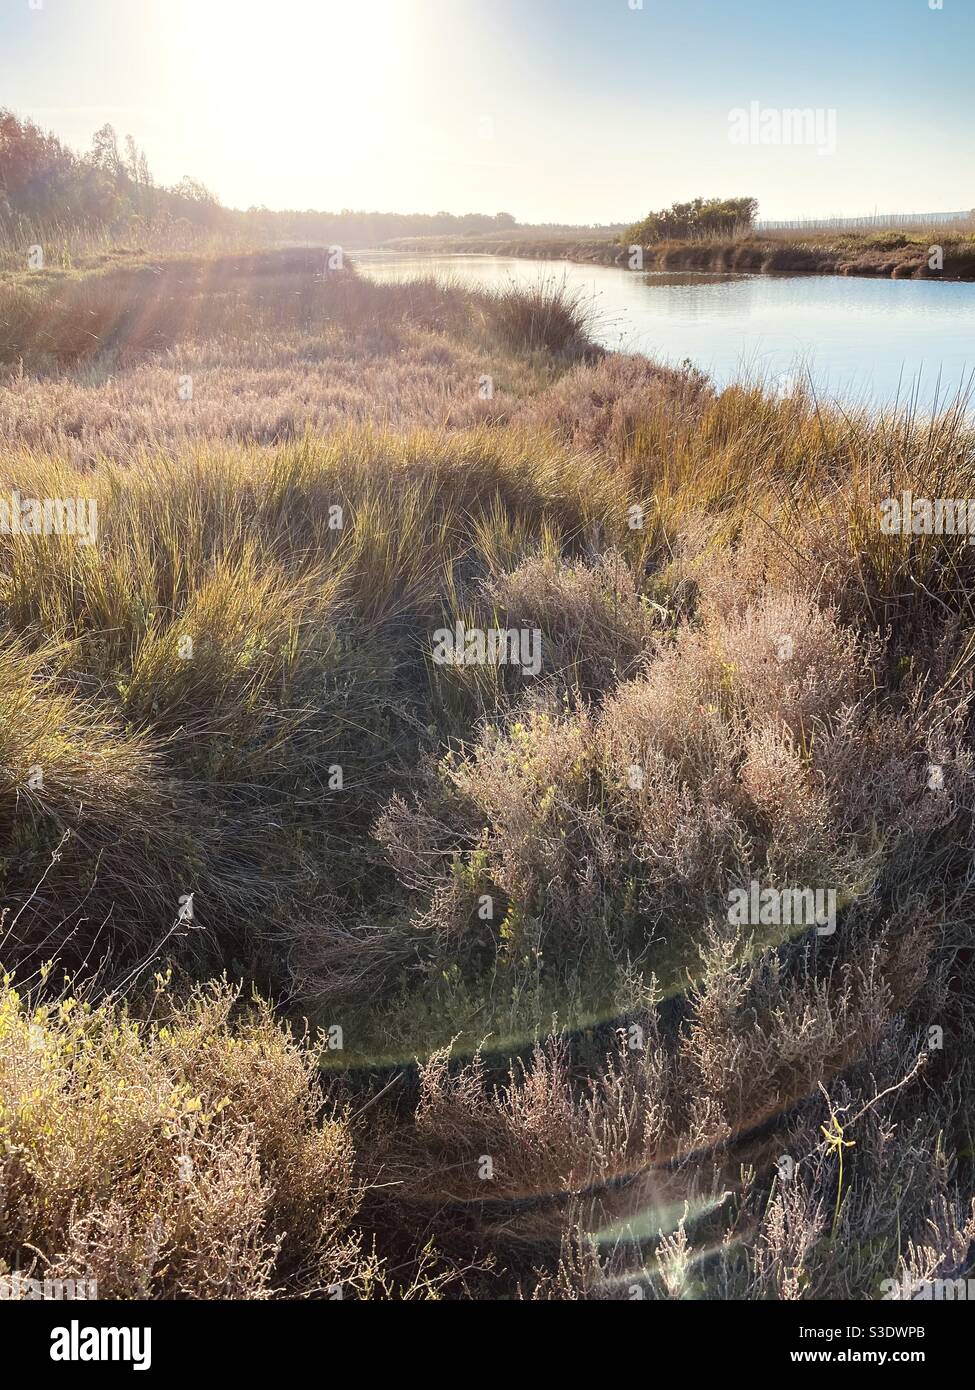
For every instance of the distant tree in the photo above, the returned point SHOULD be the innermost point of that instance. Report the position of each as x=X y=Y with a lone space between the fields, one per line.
x=131 y=159
x=42 y=180
x=104 y=151
x=194 y=191
x=38 y=175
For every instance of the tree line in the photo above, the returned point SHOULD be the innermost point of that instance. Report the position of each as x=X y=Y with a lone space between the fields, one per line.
x=46 y=185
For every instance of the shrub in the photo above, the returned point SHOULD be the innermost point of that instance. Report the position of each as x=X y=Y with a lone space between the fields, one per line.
x=700 y=217
x=190 y=1156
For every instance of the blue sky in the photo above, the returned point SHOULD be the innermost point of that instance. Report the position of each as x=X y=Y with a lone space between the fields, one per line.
x=554 y=110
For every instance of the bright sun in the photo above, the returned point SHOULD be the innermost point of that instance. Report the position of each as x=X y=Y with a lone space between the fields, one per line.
x=297 y=81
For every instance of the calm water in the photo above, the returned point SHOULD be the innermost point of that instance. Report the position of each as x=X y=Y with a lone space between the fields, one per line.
x=876 y=340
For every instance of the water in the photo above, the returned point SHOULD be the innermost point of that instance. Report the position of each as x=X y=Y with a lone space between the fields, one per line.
x=877 y=341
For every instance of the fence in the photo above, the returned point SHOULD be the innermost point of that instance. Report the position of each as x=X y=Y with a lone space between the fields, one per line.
x=879 y=221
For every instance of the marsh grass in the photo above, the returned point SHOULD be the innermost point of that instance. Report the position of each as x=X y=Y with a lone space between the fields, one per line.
x=902 y=252
x=359 y=901
x=70 y=244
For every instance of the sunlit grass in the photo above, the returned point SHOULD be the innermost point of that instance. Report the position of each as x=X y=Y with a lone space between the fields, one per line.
x=231 y=696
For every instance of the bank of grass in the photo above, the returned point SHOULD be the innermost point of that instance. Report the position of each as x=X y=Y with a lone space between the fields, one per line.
x=147 y=304
x=897 y=254
x=227 y=751
x=68 y=245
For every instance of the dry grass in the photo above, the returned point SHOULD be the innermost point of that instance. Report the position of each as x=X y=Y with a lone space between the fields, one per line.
x=454 y=863
x=68 y=245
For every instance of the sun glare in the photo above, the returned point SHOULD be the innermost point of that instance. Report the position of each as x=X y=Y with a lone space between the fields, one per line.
x=306 y=81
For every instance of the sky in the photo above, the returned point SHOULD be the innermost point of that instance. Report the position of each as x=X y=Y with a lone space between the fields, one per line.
x=582 y=111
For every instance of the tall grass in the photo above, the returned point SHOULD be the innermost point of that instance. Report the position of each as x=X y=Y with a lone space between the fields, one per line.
x=227 y=748
x=70 y=245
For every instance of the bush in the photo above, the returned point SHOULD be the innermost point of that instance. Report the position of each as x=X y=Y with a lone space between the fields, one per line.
x=190 y=1156
x=719 y=217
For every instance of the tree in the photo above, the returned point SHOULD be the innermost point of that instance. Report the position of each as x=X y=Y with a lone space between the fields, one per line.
x=37 y=173
x=195 y=192
x=104 y=152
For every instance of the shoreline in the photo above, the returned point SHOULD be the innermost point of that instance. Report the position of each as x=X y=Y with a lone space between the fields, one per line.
x=888 y=256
